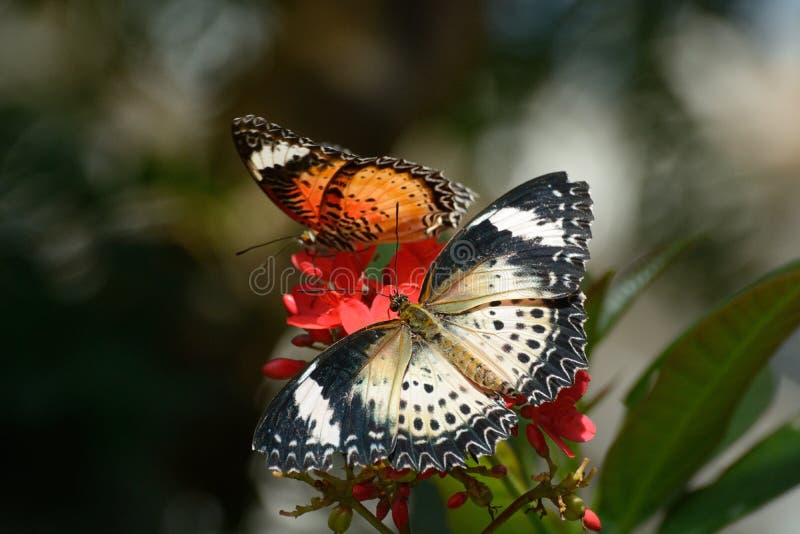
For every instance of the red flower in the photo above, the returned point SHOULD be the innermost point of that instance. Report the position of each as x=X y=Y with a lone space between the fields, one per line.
x=340 y=297
x=560 y=419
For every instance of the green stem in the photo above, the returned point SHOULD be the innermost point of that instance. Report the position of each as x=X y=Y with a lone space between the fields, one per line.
x=371 y=519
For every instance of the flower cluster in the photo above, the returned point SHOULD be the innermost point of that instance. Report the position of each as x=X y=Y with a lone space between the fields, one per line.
x=341 y=294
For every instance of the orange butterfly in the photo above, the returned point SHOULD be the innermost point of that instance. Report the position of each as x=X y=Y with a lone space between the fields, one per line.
x=344 y=199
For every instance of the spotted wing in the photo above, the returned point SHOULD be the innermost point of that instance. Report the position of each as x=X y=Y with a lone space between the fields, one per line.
x=347 y=400
x=513 y=299
x=536 y=346
x=346 y=198
x=443 y=416
x=530 y=243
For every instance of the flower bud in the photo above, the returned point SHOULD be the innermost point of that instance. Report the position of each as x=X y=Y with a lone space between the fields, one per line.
x=400 y=512
x=282 y=368
x=365 y=491
x=537 y=441
x=404 y=491
x=339 y=518
x=591 y=521
x=302 y=340
x=515 y=430
x=382 y=509
x=457 y=500
x=574 y=507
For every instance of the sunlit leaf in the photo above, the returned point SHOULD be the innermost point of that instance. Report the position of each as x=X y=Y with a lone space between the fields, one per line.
x=767 y=470
x=672 y=432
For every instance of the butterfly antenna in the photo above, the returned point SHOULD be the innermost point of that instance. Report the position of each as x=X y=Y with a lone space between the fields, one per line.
x=396 y=244
x=264 y=244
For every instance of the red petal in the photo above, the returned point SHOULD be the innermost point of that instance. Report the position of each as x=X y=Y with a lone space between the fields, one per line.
x=558 y=441
x=591 y=521
x=575 y=427
x=413 y=261
x=537 y=441
x=354 y=315
x=457 y=500
x=282 y=368
x=290 y=304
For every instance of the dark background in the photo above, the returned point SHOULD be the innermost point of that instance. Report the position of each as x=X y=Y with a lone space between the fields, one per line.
x=131 y=339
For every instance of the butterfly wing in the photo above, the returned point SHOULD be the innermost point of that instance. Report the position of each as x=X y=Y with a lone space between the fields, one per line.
x=380 y=393
x=442 y=415
x=530 y=243
x=536 y=346
x=293 y=171
x=514 y=301
x=346 y=198
x=346 y=400
x=384 y=199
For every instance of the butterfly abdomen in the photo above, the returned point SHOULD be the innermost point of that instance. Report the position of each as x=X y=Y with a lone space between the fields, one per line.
x=424 y=324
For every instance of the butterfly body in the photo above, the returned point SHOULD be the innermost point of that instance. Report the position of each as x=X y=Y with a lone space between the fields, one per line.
x=427 y=327
x=345 y=200
x=425 y=390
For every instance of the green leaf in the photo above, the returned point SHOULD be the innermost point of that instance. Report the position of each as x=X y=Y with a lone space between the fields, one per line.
x=754 y=402
x=768 y=469
x=595 y=296
x=672 y=432
x=628 y=284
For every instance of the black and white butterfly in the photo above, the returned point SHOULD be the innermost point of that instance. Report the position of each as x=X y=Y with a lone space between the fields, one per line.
x=500 y=313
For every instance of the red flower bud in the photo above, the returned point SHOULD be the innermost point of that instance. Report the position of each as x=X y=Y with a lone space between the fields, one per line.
x=457 y=500
x=537 y=441
x=282 y=368
x=365 y=492
x=442 y=474
x=514 y=430
x=404 y=491
x=591 y=521
x=400 y=512
x=302 y=340
x=382 y=509
x=499 y=471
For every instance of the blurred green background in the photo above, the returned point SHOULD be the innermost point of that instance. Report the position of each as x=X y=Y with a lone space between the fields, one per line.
x=132 y=340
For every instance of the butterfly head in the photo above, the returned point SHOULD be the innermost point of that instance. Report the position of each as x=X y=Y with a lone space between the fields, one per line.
x=398 y=302
x=308 y=238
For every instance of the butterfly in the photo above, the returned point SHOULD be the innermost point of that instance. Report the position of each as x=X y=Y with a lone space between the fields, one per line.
x=347 y=200
x=500 y=313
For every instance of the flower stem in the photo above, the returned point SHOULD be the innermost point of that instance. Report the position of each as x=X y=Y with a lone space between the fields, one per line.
x=540 y=491
x=371 y=519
